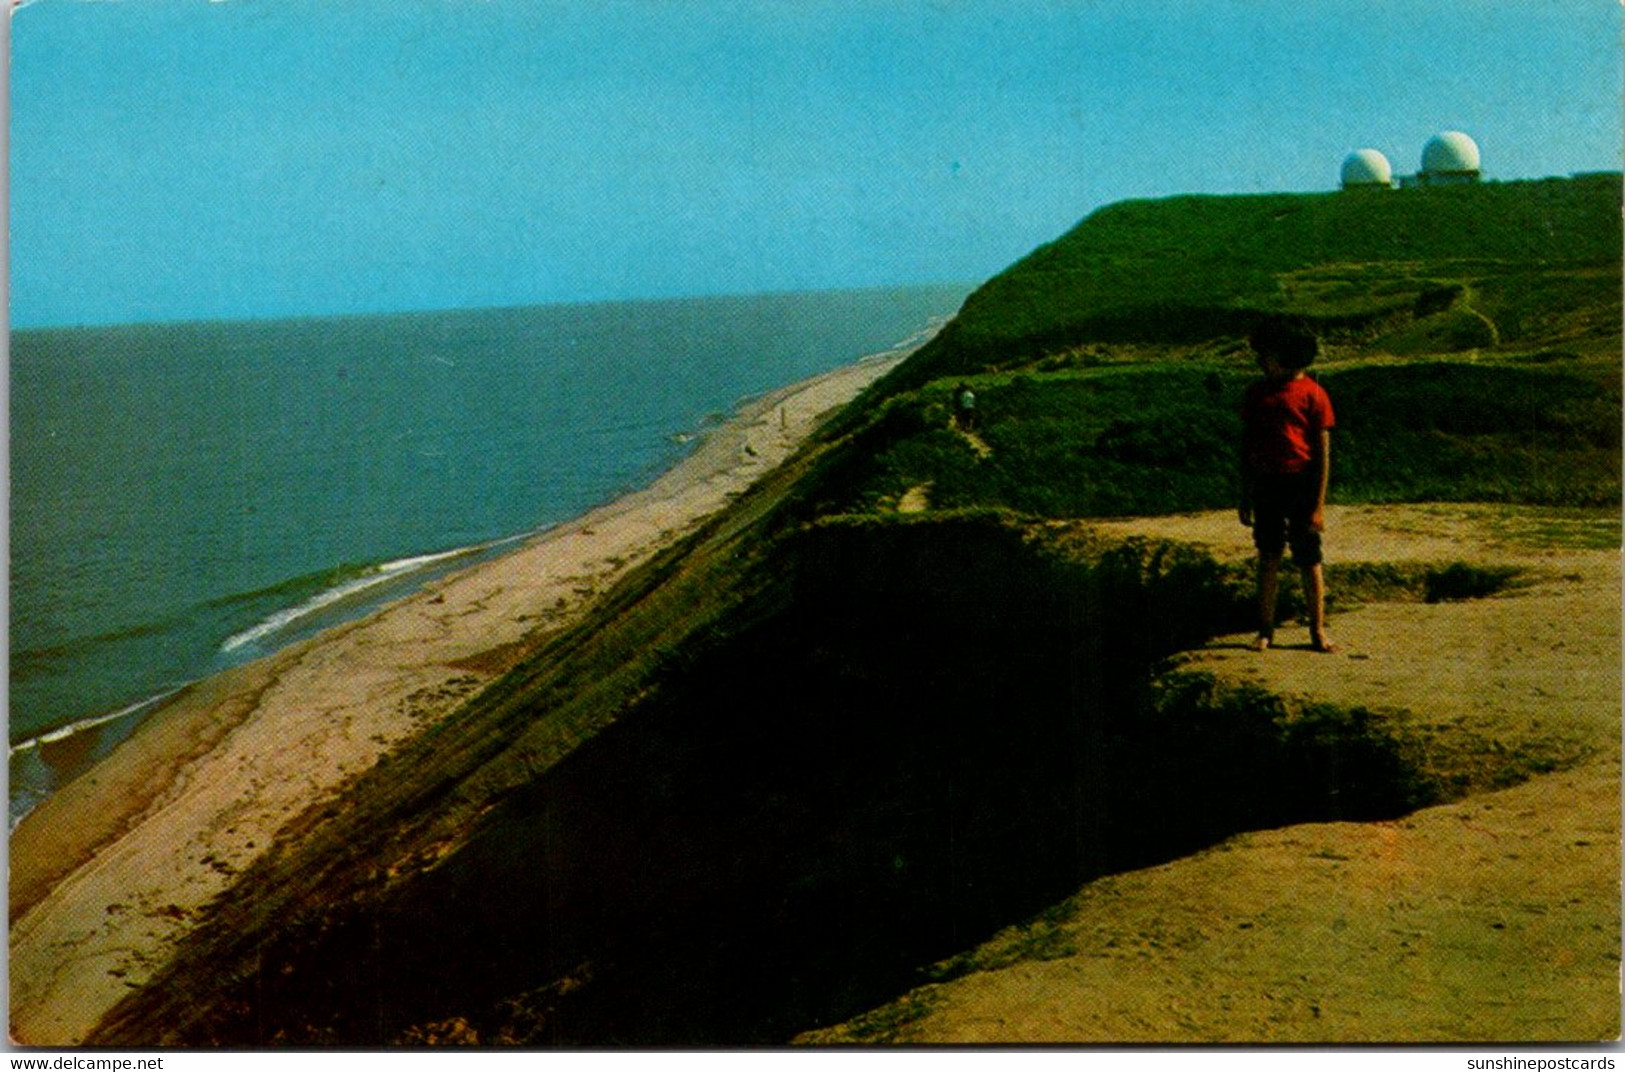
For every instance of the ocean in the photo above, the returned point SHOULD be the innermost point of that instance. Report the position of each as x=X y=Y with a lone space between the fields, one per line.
x=187 y=497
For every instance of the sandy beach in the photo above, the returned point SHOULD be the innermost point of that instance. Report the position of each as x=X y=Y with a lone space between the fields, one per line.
x=109 y=873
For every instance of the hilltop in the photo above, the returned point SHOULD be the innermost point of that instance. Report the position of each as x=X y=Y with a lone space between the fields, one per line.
x=913 y=710
x=1470 y=332
x=1523 y=265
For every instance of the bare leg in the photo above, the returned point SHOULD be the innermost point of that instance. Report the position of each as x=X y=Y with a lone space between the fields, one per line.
x=1269 y=583
x=1314 y=594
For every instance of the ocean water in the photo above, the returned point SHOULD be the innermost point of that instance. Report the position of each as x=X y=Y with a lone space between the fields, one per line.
x=186 y=497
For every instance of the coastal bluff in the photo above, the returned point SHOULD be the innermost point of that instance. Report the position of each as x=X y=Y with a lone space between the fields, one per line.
x=1489 y=917
x=902 y=736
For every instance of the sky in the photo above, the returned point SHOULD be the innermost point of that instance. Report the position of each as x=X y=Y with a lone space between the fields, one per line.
x=188 y=159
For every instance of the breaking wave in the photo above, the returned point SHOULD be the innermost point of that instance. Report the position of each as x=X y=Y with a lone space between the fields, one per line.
x=64 y=732
x=354 y=583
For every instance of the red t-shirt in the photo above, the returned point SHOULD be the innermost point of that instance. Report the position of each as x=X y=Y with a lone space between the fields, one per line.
x=1283 y=421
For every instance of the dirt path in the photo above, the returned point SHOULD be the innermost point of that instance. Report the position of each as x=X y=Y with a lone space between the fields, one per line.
x=977 y=444
x=916 y=500
x=1496 y=918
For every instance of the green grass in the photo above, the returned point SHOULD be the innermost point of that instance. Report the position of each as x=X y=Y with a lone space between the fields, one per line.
x=1579 y=529
x=1355 y=583
x=1460 y=432
x=1449 y=332
x=1528 y=257
x=1149 y=439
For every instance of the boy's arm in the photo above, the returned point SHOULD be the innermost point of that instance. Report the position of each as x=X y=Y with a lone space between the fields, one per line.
x=1245 y=510
x=1321 y=465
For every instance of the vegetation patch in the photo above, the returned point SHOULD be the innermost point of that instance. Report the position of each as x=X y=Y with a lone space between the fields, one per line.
x=1352 y=584
x=1579 y=529
x=885 y=1023
x=1450 y=332
x=1461 y=581
x=1150 y=439
x=1451 y=432
x=1044 y=937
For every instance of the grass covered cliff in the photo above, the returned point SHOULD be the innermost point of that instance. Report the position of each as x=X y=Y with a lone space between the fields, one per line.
x=899 y=696
x=1525 y=265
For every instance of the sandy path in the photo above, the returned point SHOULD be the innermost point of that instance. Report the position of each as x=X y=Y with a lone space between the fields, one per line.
x=1493 y=918
x=1540 y=659
x=109 y=873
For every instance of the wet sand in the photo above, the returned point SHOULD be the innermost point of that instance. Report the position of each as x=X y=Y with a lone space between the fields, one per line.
x=109 y=873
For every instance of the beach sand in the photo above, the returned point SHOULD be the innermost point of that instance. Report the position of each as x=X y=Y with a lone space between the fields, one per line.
x=109 y=873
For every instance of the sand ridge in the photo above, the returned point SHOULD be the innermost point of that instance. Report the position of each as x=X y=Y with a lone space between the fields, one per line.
x=112 y=871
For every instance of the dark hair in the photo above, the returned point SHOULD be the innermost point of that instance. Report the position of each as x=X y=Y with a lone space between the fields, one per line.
x=1289 y=345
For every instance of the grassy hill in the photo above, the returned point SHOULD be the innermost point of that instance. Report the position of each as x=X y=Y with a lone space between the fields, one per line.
x=1469 y=340
x=1538 y=259
x=826 y=740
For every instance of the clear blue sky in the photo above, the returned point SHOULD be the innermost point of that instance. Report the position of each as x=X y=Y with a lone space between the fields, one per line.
x=179 y=159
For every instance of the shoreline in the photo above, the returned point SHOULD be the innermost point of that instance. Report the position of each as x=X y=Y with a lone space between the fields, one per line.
x=85 y=741
x=113 y=868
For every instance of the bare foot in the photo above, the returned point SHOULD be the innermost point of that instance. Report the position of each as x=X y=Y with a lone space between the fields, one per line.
x=1262 y=642
x=1321 y=644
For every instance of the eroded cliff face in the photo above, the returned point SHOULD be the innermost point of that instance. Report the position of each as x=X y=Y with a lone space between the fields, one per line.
x=788 y=765
x=1489 y=918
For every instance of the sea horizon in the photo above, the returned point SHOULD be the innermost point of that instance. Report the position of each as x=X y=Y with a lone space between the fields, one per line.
x=259 y=318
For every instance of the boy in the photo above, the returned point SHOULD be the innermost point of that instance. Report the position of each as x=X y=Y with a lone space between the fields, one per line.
x=1285 y=466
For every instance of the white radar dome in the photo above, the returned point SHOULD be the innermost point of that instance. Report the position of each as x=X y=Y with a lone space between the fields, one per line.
x=1451 y=152
x=1367 y=167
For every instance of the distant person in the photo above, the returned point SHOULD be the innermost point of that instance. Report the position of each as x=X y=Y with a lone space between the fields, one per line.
x=965 y=408
x=1285 y=468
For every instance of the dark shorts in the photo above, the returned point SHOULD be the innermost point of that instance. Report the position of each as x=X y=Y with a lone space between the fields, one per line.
x=1282 y=506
